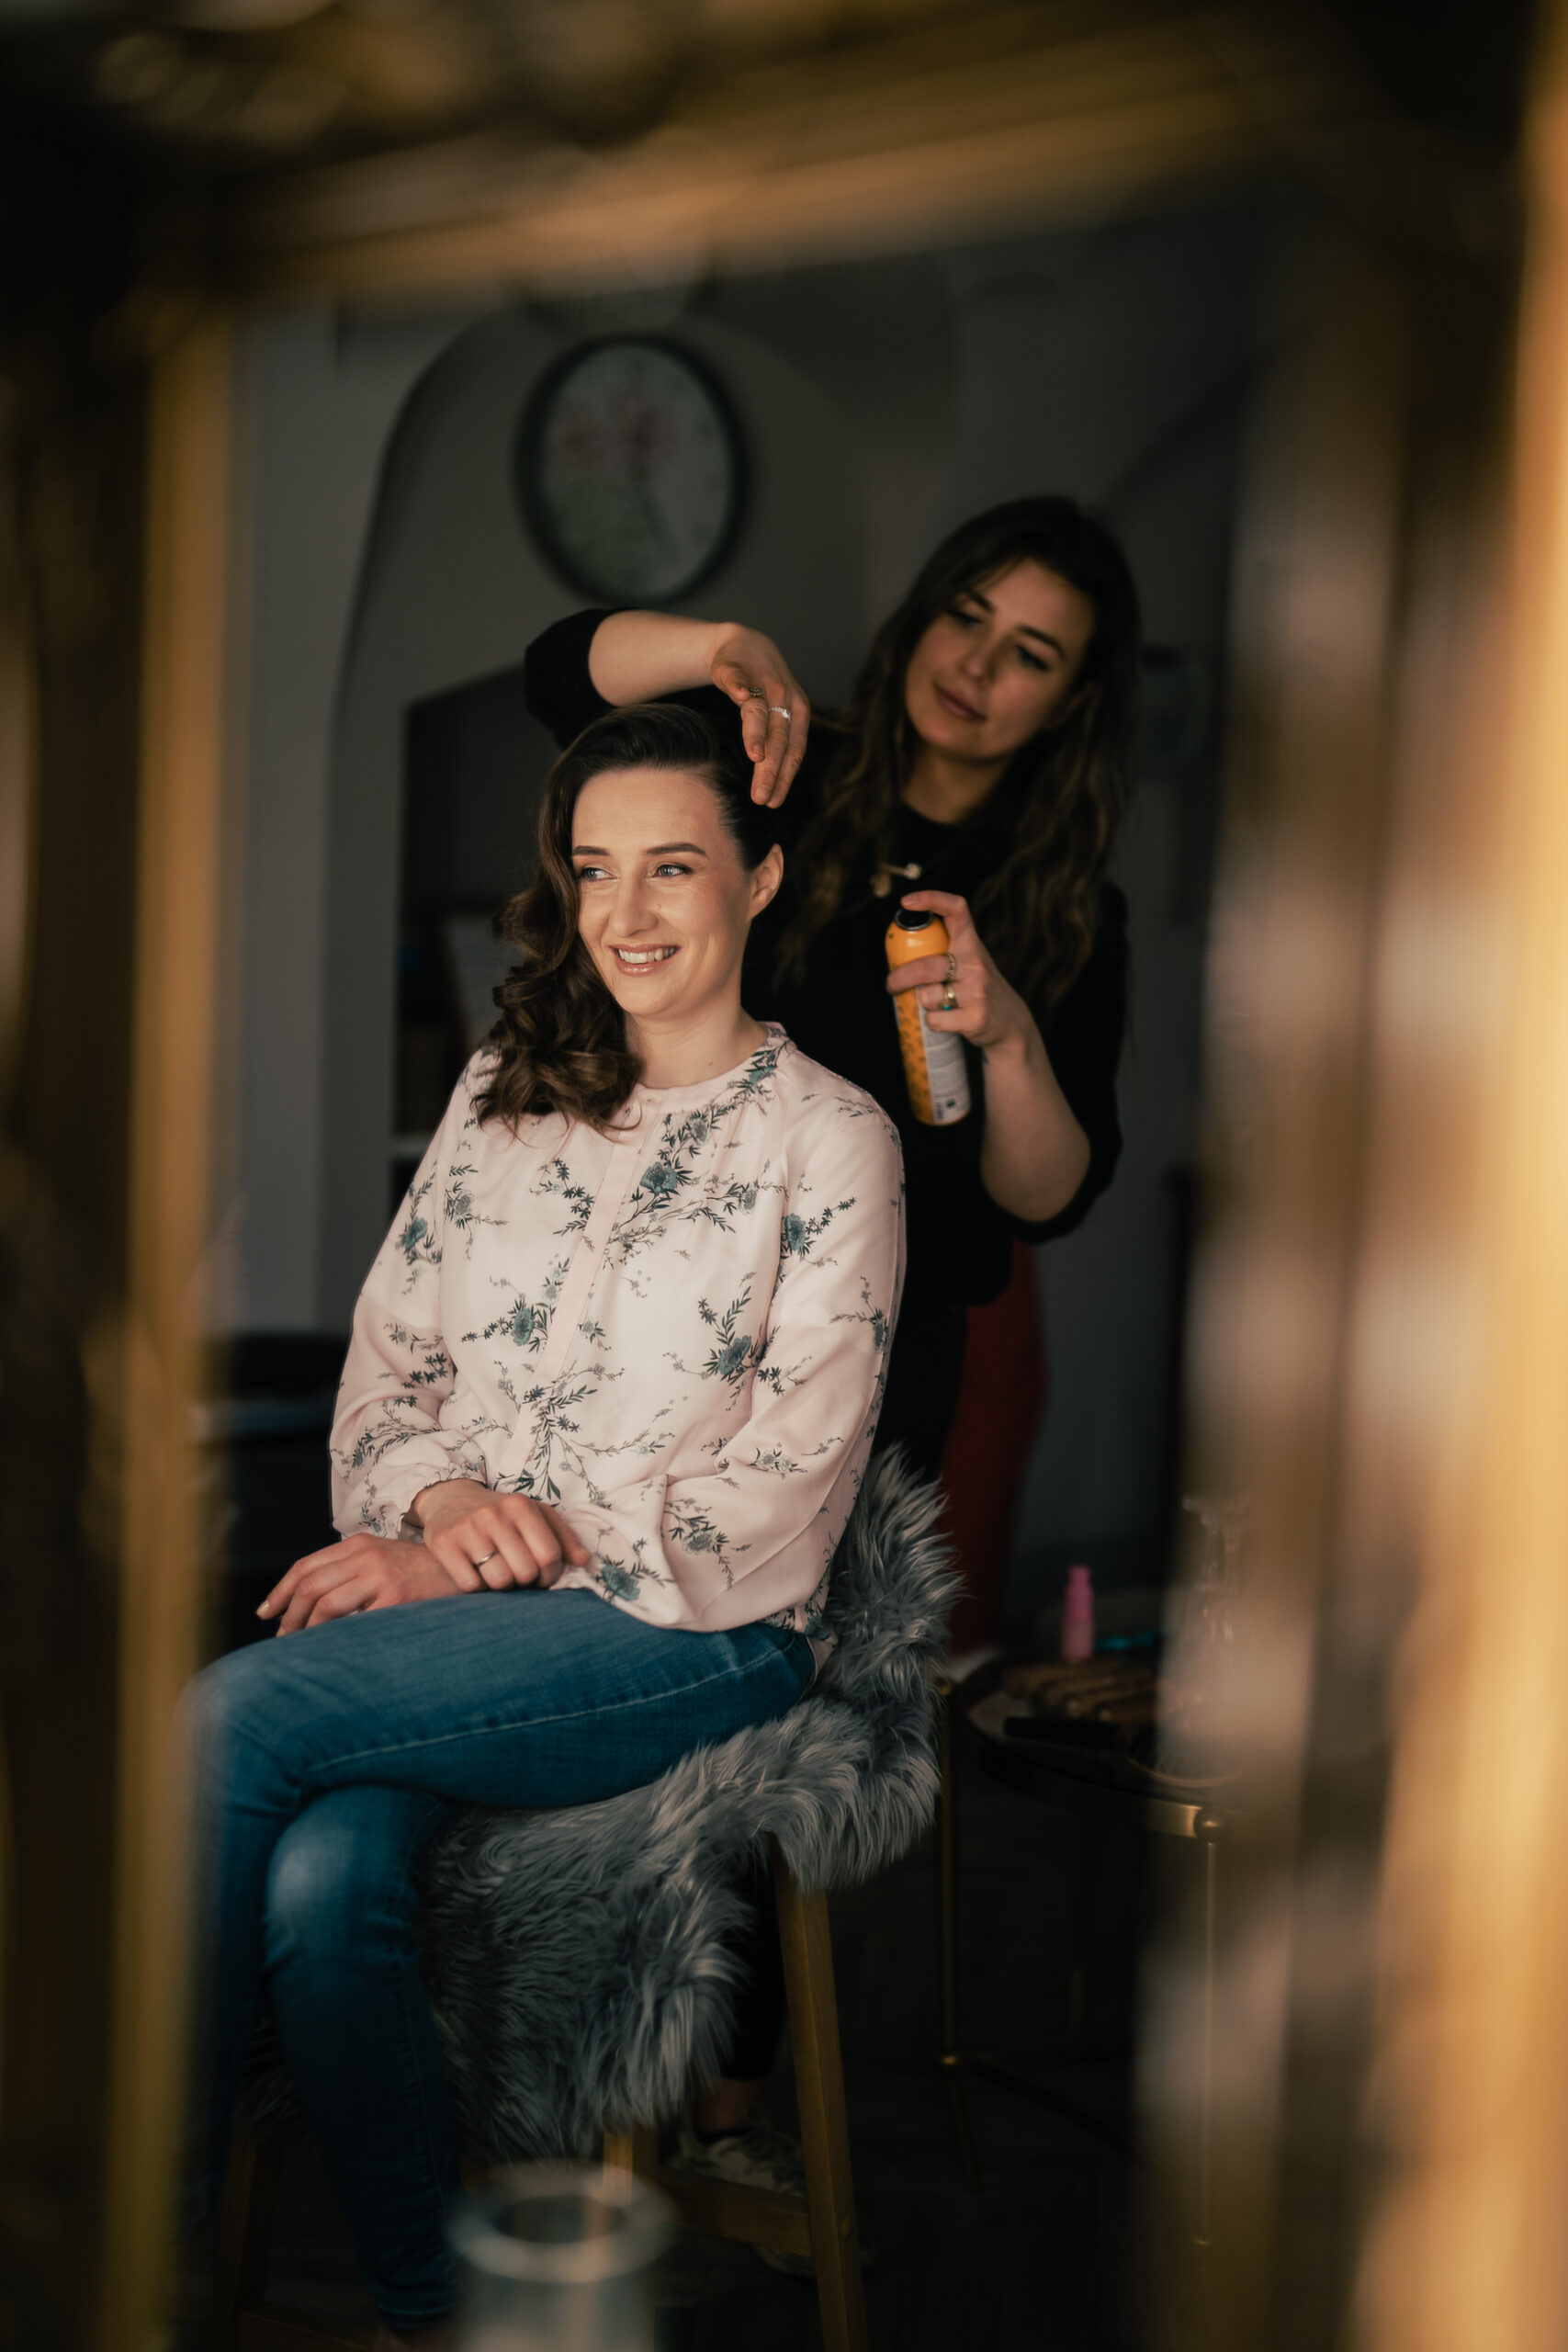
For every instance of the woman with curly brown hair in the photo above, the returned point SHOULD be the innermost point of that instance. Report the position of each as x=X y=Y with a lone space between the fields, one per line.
x=610 y=1393
x=980 y=770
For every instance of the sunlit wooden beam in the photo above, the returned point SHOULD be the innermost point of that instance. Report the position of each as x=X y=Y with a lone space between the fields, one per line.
x=178 y=898
x=1472 y=2069
x=835 y=159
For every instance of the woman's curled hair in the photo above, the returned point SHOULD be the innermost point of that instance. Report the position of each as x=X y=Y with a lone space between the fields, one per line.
x=1064 y=792
x=560 y=1041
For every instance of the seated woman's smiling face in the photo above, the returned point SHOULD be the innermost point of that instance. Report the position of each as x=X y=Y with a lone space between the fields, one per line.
x=664 y=900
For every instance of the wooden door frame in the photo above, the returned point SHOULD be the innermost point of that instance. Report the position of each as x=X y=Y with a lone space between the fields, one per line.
x=176 y=1039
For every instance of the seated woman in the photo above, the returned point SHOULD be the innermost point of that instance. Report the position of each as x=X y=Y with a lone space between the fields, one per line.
x=614 y=1380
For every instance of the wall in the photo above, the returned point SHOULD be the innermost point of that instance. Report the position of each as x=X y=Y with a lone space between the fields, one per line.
x=317 y=403
x=884 y=400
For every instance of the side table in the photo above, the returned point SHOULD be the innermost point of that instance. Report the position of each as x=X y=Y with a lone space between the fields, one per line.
x=1103 y=1786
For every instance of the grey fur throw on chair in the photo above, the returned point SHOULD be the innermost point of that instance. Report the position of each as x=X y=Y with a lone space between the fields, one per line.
x=578 y=1960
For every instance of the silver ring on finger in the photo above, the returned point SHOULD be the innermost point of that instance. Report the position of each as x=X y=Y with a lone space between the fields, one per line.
x=484 y=1557
x=951 y=971
x=780 y=711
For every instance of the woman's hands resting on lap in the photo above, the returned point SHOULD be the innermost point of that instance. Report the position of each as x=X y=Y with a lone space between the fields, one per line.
x=474 y=1540
x=483 y=1538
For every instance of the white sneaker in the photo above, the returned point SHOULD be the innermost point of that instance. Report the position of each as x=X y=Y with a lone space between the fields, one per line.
x=756 y=2155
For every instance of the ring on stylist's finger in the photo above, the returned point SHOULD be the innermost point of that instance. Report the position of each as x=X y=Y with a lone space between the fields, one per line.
x=781 y=712
x=949 y=1001
x=951 y=971
x=484 y=1557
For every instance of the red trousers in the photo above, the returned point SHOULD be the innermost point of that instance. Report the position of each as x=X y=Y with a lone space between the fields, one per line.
x=1006 y=1385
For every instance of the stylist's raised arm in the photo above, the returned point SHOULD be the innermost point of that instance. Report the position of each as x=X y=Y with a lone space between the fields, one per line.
x=641 y=657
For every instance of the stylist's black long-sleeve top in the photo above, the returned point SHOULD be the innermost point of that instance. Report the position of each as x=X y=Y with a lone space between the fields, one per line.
x=838 y=1012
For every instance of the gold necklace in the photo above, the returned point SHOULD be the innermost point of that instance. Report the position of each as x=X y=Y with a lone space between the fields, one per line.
x=881 y=878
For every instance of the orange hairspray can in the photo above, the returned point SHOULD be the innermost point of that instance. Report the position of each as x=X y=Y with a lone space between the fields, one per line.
x=933 y=1058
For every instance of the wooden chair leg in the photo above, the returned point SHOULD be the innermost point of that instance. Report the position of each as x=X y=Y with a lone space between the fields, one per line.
x=824 y=2125
x=635 y=2152
x=250 y=2199
x=950 y=2056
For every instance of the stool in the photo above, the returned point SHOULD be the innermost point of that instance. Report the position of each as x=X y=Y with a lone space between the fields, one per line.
x=821 y=2224
x=577 y=1960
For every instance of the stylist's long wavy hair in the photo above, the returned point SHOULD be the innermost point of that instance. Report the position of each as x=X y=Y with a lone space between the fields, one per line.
x=560 y=1040
x=1064 y=793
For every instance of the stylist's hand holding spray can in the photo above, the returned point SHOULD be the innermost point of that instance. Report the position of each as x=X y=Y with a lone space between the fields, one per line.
x=946 y=992
x=933 y=1064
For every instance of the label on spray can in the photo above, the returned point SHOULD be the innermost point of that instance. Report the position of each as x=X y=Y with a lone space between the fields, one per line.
x=934 y=1066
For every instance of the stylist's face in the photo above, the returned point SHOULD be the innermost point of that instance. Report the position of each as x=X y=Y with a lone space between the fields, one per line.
x=1000 y=663
x=664 y=903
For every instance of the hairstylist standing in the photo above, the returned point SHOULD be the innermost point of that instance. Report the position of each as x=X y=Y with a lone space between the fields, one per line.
x=979 y=771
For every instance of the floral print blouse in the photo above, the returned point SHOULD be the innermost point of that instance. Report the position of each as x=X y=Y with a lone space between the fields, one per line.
x=675 y=1333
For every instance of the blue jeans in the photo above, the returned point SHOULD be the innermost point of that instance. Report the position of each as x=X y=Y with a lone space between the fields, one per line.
x=325 y=1761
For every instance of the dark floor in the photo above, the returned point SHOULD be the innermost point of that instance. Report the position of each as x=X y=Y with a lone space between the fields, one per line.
x=1041 y=2256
